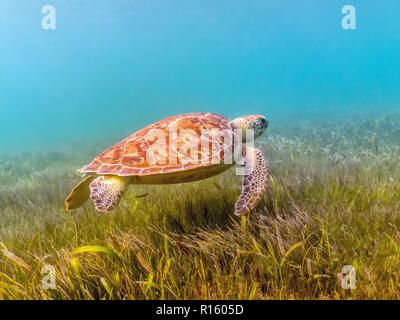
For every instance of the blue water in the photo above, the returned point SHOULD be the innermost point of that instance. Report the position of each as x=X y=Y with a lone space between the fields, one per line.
x=110 y=67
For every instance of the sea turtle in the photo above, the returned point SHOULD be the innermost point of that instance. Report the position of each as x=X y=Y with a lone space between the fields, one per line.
x=178 y=149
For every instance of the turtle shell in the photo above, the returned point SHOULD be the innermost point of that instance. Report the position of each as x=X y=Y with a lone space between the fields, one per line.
x=174 y=144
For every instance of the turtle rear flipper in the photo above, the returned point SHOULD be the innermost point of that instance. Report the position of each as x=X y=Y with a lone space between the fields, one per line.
x=106 y=191
x=255 y=181
x=79 y=195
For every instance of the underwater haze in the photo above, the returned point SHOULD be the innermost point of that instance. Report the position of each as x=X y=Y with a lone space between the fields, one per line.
x=326 y=75
x=111 y=67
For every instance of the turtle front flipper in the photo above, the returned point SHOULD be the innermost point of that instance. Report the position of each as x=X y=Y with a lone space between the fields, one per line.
x=79 y=195
x=255 y=181
x=106 y=191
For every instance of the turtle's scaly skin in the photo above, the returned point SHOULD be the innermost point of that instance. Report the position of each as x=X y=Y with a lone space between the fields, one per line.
x=255 y=183
x=130 y=156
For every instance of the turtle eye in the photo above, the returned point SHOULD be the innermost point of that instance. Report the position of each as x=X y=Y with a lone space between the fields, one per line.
x=264 y=123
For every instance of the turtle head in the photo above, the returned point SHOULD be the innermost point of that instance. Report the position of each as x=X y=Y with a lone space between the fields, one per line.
x=257 y=123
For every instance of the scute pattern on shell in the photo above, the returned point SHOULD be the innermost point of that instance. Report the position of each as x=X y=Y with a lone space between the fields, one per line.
x=128 y=157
